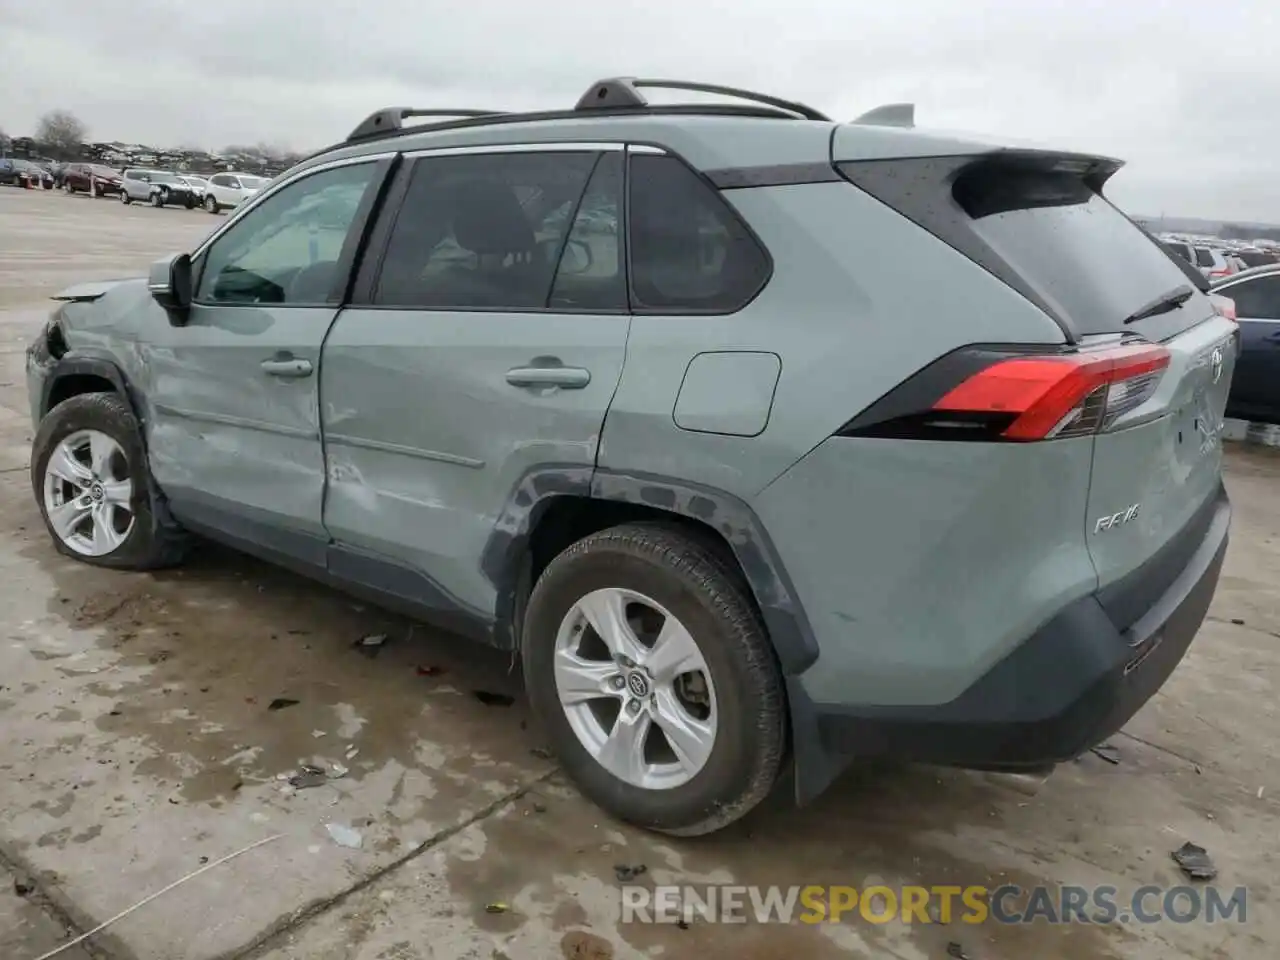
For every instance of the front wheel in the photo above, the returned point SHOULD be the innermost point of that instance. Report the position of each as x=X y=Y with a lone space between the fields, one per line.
x=158 y=198
x=90 y=477
x=211 y=204
x=648 y=667
x=125 y=198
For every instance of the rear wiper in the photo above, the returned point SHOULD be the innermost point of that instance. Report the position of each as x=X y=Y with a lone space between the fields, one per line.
x=1163 y=304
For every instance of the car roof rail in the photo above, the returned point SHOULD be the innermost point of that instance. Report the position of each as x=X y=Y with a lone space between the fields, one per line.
x=622 y=93
x=393 y=118
x=890 y=115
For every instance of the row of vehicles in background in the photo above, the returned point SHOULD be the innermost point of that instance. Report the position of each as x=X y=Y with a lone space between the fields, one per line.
x=159 y=188
x=1244 y=279
x=1216 y=258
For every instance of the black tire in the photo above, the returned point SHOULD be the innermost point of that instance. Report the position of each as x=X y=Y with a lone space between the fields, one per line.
x=95 y=190
x=125 y=198
x=150 y=544
x=211 y=204
x=189 y=203
x=158 y=198
x=686 y=576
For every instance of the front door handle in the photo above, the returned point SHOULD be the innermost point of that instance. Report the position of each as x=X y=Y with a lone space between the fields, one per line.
x=567 y=378
x=287 y=367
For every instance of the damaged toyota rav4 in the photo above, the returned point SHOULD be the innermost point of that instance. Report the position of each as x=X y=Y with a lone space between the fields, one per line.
x=645 y=395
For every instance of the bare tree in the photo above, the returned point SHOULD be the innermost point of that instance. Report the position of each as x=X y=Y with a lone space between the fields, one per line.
x=61 y=130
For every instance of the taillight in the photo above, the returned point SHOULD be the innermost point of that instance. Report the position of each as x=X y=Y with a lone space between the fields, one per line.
x=1019 y=398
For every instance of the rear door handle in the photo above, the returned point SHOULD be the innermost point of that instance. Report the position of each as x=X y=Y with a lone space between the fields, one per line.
x=287 y=367
x=567 y=378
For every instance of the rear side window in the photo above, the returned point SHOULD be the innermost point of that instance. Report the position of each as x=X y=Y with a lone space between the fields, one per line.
x=690 y=253
x=1204 y=257
x=1043 y=229
x=590 y=273
x=485 y=232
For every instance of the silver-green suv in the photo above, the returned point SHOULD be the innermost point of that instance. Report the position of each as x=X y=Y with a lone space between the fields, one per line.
x=765 y=440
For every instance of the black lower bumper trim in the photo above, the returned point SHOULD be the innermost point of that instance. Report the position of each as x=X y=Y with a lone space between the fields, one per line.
x=1073 y=683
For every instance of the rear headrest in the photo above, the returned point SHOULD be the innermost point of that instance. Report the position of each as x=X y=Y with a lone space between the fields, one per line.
x=489 y=219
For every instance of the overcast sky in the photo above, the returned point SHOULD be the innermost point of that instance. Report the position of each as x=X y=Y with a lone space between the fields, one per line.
x=1182 y=90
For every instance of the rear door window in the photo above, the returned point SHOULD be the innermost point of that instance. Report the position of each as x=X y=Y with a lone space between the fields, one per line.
x=590 y=274
x=484 y=232
x=690 y=252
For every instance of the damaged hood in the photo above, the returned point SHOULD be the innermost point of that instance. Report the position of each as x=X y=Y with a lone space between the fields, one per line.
x=88 y=292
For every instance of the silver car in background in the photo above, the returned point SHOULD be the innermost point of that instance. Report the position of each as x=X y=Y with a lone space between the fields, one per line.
x=160 y=188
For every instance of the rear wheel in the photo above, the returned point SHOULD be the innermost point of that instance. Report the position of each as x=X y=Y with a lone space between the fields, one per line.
x=90 y=477
x=648 y=666
x=158 y=198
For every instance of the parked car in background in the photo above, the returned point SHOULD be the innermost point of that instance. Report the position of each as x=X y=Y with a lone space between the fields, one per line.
x=1257 y=258
x=1213 y=263
x=199 y=185
x=92 y=178
x=653 y=410
x=16 y=172
x=1255 y=391
x=229 y=190
x=157 y=187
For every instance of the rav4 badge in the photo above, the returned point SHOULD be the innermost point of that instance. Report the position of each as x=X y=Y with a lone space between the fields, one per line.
x=1116 y=519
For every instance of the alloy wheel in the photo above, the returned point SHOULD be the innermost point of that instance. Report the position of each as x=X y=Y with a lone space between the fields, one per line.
x=88 y=493
x=635 y=689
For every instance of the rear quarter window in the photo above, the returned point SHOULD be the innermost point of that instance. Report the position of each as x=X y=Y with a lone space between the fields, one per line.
x=1204 y=257
x=690 y=251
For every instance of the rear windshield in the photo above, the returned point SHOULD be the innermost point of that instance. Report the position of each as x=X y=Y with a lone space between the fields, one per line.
x=1041 y=229
x=1204 y=257
x=1076 y=249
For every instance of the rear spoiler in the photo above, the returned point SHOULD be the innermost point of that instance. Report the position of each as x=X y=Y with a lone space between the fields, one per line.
x=890 y=115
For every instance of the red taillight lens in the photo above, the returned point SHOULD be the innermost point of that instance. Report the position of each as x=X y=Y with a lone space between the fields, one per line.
x=1060 y=396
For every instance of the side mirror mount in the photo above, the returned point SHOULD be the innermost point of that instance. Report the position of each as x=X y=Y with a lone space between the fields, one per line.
x=170 y=285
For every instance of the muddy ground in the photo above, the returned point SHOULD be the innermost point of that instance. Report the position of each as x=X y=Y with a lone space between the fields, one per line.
x=139 y=744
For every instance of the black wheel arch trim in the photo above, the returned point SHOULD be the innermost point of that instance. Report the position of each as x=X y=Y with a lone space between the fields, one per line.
x=506 y=555
x=73 y=364
x=78 y=365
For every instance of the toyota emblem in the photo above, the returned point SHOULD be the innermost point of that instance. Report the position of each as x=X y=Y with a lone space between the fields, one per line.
x=1215 y=364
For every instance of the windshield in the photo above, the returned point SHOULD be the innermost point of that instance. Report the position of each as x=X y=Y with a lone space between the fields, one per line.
x=252 y=183
x=1075 y=248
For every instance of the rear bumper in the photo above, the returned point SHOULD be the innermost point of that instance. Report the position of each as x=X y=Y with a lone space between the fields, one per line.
x=1070 y=685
